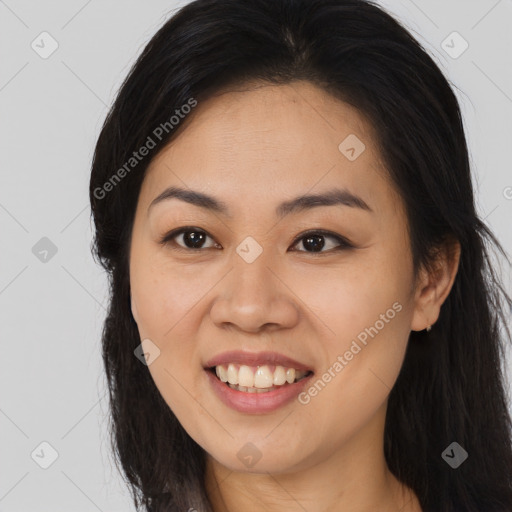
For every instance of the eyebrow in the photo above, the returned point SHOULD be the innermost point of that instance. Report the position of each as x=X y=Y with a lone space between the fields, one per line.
x=332 y=197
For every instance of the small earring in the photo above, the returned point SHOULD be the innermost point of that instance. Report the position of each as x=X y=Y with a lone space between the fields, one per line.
x=429 y=328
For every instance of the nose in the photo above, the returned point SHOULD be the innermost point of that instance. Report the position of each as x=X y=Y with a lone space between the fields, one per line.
x=254 y=297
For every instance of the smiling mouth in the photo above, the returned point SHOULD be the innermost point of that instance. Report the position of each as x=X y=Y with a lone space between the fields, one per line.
x=257 y=379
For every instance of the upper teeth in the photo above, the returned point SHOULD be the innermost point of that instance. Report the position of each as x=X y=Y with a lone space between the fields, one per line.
x=259 y=376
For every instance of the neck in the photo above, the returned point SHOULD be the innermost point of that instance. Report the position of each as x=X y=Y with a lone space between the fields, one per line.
x=353 y=478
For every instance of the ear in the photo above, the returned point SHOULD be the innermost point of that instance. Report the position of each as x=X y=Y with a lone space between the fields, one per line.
x=434 y=285
x=134 y=310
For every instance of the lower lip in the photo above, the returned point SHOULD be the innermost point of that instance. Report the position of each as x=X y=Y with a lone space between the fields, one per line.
x=256 y=403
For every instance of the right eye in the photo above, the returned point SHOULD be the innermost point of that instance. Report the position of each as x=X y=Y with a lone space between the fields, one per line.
x=192 y=239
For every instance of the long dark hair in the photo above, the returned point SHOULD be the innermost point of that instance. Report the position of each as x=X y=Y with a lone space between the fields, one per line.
x=451 y=387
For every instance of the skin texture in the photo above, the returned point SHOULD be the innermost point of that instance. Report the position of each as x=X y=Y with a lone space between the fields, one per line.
x=253 y=148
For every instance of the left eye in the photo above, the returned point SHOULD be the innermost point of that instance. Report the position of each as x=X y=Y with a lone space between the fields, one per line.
x=313 y=241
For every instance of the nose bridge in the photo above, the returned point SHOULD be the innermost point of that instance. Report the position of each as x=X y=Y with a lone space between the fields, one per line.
x=252 y=295
x=252 y=278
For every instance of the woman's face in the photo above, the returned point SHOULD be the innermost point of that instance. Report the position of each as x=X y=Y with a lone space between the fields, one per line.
x=255 y=284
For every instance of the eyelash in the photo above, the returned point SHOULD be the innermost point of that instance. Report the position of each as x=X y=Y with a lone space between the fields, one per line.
x=168 y=239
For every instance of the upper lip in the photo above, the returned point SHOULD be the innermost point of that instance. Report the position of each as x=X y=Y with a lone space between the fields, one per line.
x=255 y=359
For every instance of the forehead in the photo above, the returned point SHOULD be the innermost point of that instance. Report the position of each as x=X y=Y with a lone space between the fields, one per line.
x=271 y=139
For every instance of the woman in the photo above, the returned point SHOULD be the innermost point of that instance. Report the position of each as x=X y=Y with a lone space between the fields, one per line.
x=303 y=314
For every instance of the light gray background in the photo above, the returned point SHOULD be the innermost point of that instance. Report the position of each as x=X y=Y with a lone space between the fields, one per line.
x=52 y=312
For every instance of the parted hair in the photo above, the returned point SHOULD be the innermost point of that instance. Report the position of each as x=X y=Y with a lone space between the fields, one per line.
x=452 y=384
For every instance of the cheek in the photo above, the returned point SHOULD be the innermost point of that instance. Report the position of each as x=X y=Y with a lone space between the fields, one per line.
x=169 y=308
x=348 y=298
x=167 y=322
x=357 y=380
x=366 y=318
x=165 y=296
